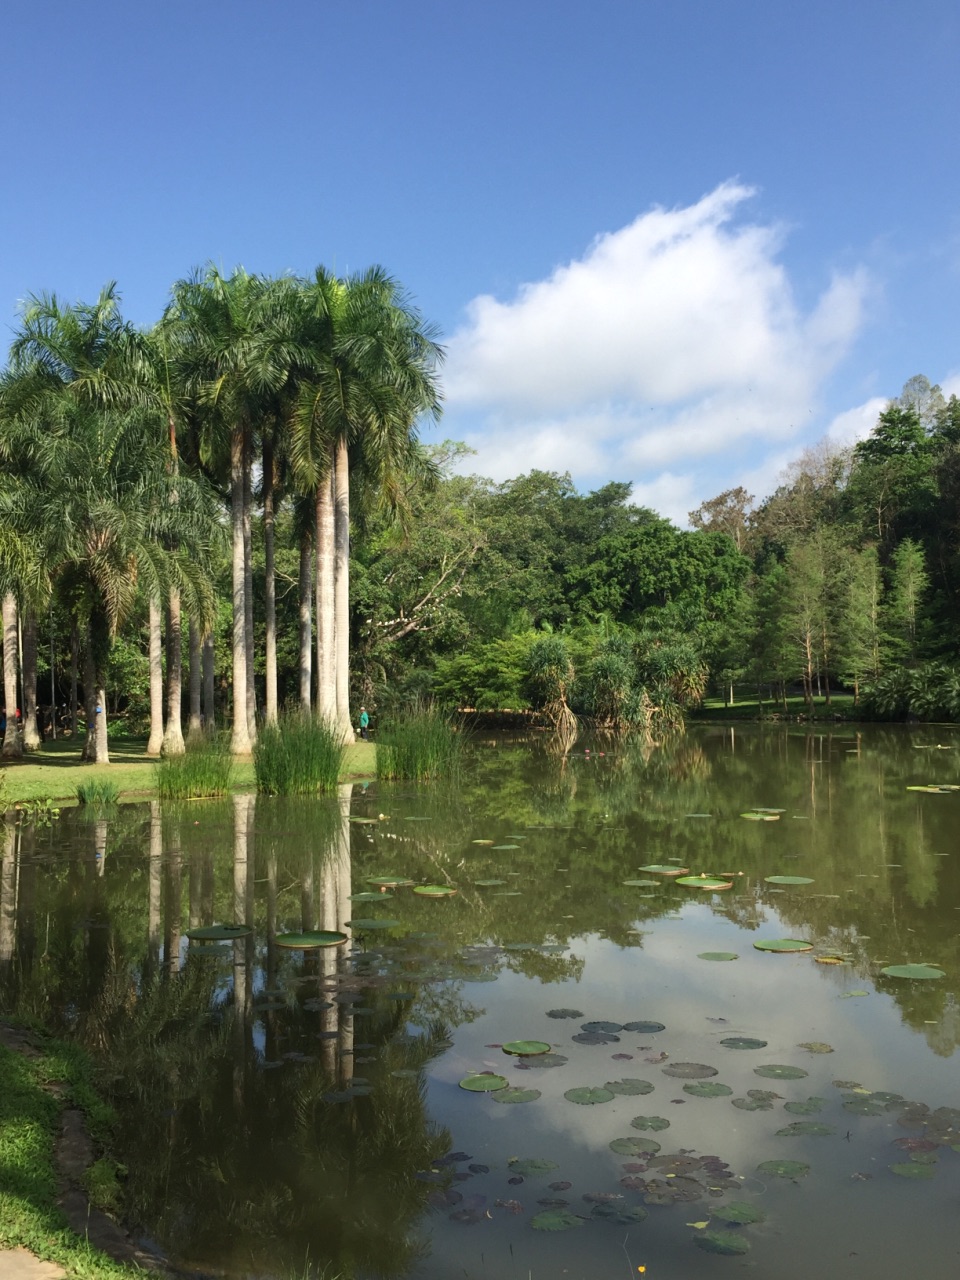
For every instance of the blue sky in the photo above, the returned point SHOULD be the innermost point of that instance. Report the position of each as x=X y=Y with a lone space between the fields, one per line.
x=666 y=241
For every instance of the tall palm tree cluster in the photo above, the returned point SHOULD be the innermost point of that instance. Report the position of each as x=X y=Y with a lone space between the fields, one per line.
x=129 y=459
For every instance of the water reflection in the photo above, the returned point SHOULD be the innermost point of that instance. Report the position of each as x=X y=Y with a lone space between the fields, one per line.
x=278 y=1107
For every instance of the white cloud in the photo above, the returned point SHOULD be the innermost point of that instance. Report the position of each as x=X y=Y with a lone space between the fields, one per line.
x=856 y=424
x=670 y=343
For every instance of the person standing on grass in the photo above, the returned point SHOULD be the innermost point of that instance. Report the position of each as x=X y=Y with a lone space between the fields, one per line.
x=364 y=723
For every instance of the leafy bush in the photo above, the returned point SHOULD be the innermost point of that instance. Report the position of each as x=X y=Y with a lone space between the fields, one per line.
x=300 y=755
x=930 y=691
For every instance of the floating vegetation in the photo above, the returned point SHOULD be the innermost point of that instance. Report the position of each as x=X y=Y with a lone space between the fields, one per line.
x=815 y=1046
x=619 y=1215
x=662 y=869
x=556 y=1220
x=717 y=955
x=311 y=939
x=532 y=1167
x=529 y=1048
x=564 y=1013
x=754 y=815
x=916 y=972
x=780 y=1071
x=601 y=1028
x=371 y=923
x=490 y=884
x=642 y=884
x=707 y=1089
x=653 y=1123
x=435 y=890
x=629 y=1087
x=788 y=879
x=634 y=1146
x=371 y=897
x=913 y=1169
x=586 y=1097
x=743 y=1042
x=757 y=1100
x=712 y=884
x=481 y=842
x=390 y=882
x=515 y=1095
x=808 y=1108
x=738 y=1212
x=219 y=932
x=644 y=1028
x=483 y=1082
x=690 y=1070
x=595 y=1037
x=728 y=1243
x=543 y=1061
x=806 y=1129
x=783 y=945
x=784 y=1168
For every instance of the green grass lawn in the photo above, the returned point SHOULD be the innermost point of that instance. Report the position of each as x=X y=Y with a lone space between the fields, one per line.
x=841 y=707
x=54 y=772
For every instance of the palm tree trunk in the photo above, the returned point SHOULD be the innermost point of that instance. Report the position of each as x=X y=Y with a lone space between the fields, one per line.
x=326 y=634
x=173 y=735
x=155 y=741
x=248 y=596
x=194 y=723
x=341 y=579
x=209 y=696
x=95 y=748
x=270 y=584
x=240 y=743
x=31 y=733
x=12 y=748
x=306 y=619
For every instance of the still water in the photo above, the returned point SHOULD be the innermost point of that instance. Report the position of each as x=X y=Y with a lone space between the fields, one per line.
x=283 y=1111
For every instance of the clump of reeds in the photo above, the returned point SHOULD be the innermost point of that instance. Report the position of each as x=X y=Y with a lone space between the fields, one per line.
x=203 y=770
x=300 y=755
x=418 y=743
x=99 y=792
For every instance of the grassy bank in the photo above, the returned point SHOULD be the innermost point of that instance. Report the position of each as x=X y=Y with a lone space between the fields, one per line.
x=55 y=772
x=32 y=1092
x=840 y=707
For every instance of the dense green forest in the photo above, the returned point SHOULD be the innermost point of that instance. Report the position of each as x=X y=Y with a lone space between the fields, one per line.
x=233 y=513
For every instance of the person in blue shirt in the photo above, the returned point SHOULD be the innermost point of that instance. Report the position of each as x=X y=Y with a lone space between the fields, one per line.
x=364 y=723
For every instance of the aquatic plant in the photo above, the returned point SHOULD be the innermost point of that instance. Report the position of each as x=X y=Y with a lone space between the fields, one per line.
x=98 y=792
x=203 y=770
x=301 y=755
x=419 y=743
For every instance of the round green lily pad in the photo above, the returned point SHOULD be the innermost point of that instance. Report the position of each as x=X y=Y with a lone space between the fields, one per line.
x=784 y=1168
x=629 y=1087
x=913 y=1169
x=729 y=1243
x=588 y=1097
x=564 y=1013
x=371 y=923
x=739 y=1212
x=488 y=884
x=371 y=897
x=788 y=879
x=753 y=816
x=313 y=938
x=780 y=1071
x=531 y=1167
x=484 y=1083
x=529 y=1048
x=556 y=1220
x=743 y=1042
x=709 y=883
x=690 y=1070
x=545 y=1060
x=783 y=945
x=516 y=1095
x=642 y=884
x=916 y=971
x=635 y=1146
x=435 y=890
x=816 y=1046
x=619 y=1214
x=481 y=842
x=863 y=1105
x=653 y=1123
x=502 y=847
x=808 y=1108
x=390 y=882
x=707 y=1089
x=219 y=932
x=642 y=1028
x=661 y=869
x=718 y=955
x=806 y=1129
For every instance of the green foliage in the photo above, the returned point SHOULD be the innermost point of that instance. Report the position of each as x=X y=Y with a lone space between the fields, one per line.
x=419 y=743
x=301 y=755
x=930 y=691
x=204 y=770
x=99 y=793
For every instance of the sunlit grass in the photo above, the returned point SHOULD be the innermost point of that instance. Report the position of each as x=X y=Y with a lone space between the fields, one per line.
x=301 y=755
x=204 y=770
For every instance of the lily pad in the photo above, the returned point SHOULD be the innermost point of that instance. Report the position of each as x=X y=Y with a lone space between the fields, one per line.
x=753 y=816
x=564 y=1013
x=529 y=1048
x=913 y=1169
x=532 y=1167
x=629 y=1087
x=863 y=1106
x=743 y=1042
x=806 y=1129
x=664 y=869
x=784 y=1168
x=914 y=971
x=488 y=884
x=788 y=879
x=712 y=884
x=635 y=1146
x=780 y=1071
x=586 y=1097
x=642 y=884
x=219 y=932
x=653 y=1123
x=371 y=897
x=619 y=1214
x=390 y=882
x=556 y=1220
x=728 y=1243
x=739 y=1212
x=595 y=1037
x=481 y=842
x=644 y=1028
x=370 y=923
x=502 y=847
x=543 y=1061
x=602 y=1028
x=435 y=890
x=783 y=945
x=718 y=955
x=311 y=939
x=808 y=1108
x=815 y=1046
x=486 y=1082
x=689 y=1070
x=363 y=822
x=708 y=1089
x=516 y=1095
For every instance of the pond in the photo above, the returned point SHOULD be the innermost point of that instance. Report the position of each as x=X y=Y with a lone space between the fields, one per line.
x=365 y=1108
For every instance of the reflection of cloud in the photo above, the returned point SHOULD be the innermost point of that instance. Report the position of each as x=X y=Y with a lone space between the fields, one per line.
x=668 y=341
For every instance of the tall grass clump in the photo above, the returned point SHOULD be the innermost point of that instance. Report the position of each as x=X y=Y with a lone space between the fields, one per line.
x=99 y=792
x=420 y=742
x=300 y=755
x=202 y=771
